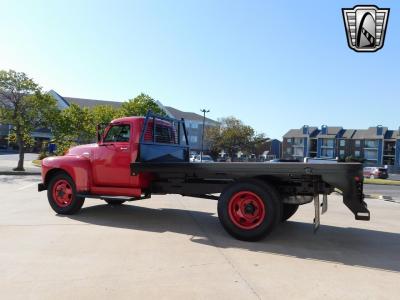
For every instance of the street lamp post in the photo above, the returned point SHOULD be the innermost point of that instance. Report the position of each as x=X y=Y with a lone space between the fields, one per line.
x=204 y=111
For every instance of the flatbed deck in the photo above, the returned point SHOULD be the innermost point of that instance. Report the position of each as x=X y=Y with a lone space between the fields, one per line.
x=311 y=178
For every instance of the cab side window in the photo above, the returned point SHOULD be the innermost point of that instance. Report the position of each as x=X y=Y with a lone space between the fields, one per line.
x=118 y=133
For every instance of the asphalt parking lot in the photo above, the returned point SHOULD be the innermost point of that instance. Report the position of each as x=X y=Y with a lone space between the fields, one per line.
x=172 y=247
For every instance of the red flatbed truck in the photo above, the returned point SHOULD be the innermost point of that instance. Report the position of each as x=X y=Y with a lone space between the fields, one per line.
x=136 y=157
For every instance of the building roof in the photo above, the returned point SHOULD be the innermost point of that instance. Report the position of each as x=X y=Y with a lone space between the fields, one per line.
x=370 y=133
x=298 y=133
x=90 y=103
x=190 y=116
x=348 y=133
x=272 y=140
x=392 y=134
x=332 y=131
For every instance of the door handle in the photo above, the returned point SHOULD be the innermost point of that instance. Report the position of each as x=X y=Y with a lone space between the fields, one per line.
x=124 y=148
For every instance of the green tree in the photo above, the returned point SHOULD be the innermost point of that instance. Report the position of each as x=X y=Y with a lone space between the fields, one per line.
x=139 y=106
x=25 y=107
x=105 y=114
x=257 y=143
x=74 y=125
x=231 y=135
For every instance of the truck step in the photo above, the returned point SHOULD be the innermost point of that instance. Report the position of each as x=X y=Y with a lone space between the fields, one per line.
x=116 y=198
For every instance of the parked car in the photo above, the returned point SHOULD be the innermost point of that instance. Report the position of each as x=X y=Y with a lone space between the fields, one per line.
x=223 y=158
x=375 y=172
x=206 y=159
x=277 y=160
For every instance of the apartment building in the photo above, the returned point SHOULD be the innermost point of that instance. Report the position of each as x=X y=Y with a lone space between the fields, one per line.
x=377 y=146
x=300 y=143
x=194 y=126
x=273 y=148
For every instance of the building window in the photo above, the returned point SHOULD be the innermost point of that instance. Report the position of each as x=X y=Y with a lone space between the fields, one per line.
x=289 y=150
x=298 y=142
x=193 y=139
x=327 y=152
x=357 y=153
x=371 y=144
x=357 y=143
x=370 y=154
x=342 y=143
x=298 y=152
x=341 y=153
x=192 y=125
x=327 y=142
x=289 y=140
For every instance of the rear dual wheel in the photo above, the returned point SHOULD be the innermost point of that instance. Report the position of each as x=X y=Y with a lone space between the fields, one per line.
x=249 y=210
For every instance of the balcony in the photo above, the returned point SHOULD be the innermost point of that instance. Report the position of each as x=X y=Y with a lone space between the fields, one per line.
x=371 y=144
x=389 y=148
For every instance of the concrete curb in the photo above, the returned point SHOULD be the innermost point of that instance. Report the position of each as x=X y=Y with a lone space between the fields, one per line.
x=376 y=196
x=16 y=173
x=382 y=197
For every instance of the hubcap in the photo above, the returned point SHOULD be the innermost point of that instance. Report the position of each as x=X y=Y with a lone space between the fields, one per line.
x=62 y=193
x=246 y=210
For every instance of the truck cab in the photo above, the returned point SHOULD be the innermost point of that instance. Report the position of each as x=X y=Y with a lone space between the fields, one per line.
x=103 y=168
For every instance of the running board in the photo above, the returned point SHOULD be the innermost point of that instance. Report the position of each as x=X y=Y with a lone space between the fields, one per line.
x=120 y=198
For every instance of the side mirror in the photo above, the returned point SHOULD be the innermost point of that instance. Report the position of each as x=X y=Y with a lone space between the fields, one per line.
x=98 y=133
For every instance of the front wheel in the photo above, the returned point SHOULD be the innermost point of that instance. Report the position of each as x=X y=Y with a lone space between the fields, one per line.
x=62 y=197
x=249 y=210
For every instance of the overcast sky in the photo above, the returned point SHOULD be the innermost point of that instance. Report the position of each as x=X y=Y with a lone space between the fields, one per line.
x=274 y=64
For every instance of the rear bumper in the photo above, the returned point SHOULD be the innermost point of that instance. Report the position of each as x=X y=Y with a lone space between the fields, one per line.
x=41 y=187
x=359 y=208
x=353 y=198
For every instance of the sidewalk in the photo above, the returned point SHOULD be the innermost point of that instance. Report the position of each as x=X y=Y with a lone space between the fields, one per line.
x=28 y=171
x=9 y=161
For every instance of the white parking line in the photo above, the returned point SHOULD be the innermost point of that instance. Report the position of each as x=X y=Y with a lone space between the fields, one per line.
x=28 y=186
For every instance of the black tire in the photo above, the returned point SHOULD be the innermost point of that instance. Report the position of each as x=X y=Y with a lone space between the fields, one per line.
x=272 y=208
x=75 y=202
x=115 y=202
x=288 y=210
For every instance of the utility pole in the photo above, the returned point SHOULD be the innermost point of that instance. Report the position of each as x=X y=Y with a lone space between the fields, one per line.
x=204 y=111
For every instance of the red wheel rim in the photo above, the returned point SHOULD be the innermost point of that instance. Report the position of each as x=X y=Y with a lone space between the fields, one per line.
x=246 y=210
x=62 y=193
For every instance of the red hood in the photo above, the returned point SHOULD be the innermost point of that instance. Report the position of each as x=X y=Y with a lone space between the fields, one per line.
x=79 y=150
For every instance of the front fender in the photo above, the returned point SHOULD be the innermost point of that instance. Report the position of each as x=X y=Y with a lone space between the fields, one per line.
x=76 y=166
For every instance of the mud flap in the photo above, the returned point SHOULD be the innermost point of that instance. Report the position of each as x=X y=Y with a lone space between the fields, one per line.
x=317 y=214
x=324 y=204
